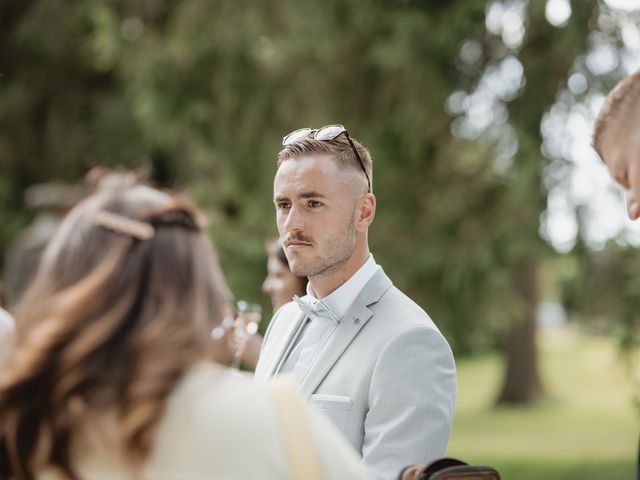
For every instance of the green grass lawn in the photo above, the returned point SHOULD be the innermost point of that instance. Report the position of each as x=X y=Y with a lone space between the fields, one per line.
x=585 y=428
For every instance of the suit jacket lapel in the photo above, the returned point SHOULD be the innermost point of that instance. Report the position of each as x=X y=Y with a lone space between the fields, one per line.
x=350 y=325
x=282 y=345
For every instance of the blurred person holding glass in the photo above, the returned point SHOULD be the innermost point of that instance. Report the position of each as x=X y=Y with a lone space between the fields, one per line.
x=281 y=285
x=616 y=139
x=112 y=377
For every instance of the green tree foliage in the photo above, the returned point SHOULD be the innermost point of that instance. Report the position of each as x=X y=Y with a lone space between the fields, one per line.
x=200 y=94
x=601 y=291
x=546 y=55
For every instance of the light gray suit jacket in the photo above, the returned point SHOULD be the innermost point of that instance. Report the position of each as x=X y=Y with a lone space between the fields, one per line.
x=386 y=378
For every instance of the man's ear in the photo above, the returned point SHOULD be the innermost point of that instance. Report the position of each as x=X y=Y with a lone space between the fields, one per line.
x=366 y=211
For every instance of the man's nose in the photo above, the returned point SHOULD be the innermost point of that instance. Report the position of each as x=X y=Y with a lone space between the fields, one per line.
x=294 y=221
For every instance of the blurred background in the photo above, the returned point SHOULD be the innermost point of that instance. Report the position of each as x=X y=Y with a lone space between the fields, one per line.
x=494 y=213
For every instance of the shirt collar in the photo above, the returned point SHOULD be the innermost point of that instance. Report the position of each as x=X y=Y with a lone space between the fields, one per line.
x=339 y=301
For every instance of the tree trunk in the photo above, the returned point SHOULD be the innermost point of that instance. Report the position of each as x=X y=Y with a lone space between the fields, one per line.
x=522 y=383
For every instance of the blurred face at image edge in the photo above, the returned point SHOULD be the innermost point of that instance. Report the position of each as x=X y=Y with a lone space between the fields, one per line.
x=281 y=284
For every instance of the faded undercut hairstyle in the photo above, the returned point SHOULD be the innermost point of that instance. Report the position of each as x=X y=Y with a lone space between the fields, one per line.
x=120 y=308
x=620 y=111
x=338 y=148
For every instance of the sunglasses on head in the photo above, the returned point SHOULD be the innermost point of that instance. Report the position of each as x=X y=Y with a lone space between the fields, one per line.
x=326 y=133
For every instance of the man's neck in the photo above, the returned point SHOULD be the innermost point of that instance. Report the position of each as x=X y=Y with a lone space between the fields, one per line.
x=323 y=286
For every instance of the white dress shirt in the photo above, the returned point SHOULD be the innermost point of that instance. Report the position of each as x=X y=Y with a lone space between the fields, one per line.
x=319 y=329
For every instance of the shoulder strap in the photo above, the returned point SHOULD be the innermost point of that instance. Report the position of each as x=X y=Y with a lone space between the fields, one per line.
x=301 y=452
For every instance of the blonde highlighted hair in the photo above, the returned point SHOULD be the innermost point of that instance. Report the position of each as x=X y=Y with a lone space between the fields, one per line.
x=112 y=321
x=339 y=149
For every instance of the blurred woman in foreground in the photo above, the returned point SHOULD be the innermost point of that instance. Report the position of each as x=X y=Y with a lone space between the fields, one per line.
x=111 y=374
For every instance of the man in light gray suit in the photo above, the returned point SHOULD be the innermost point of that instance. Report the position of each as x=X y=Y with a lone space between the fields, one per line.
x=365 y=354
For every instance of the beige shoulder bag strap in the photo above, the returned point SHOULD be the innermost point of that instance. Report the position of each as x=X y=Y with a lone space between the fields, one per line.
x=299 y=446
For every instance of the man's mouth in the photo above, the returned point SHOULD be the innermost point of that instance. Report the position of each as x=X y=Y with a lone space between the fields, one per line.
x=295 y=244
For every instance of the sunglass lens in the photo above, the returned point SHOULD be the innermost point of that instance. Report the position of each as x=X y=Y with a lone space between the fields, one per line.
x=296 y=136
x=329 y=132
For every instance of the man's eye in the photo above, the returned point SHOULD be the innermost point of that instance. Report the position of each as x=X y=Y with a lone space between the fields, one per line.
x=314 y=204
x=282 y=205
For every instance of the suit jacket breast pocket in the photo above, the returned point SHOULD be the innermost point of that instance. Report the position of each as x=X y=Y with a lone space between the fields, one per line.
x=336 y=407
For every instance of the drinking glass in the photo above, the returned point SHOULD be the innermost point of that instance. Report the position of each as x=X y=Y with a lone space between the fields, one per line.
x=246 y=324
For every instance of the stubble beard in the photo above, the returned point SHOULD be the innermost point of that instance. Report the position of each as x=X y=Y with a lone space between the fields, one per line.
x=336 y=252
